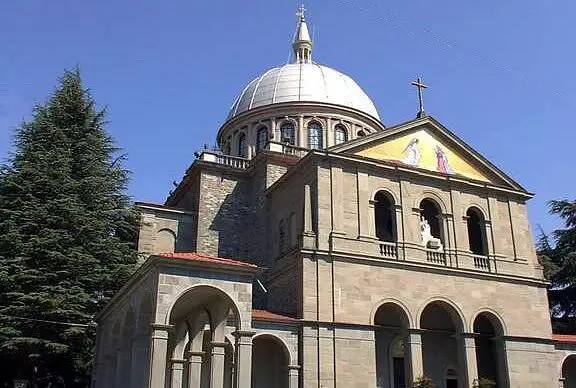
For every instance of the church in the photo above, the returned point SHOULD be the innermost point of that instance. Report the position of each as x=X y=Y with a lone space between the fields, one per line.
x=320 y=248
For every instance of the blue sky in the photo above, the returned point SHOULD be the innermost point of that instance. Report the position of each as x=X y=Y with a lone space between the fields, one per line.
x=500 y=73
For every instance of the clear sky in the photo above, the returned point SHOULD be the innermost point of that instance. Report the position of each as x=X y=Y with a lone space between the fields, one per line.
x=500 y=72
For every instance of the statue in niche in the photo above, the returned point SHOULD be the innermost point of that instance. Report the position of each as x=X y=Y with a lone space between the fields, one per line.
x=428 y=240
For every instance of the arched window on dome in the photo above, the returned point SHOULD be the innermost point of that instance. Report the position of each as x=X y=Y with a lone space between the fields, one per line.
x=476 y=232
x=287 y=133
x=227 y=148
x=261 y=138
x=242 y=145
x=314 y=135
x=339 y=134
x=361 y=133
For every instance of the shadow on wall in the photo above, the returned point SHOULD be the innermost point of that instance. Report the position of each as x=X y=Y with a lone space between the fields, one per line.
x=233 y=223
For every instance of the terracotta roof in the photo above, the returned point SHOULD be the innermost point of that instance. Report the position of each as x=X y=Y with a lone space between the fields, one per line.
x=206 y=258
x=564 y=338
x=265 y=315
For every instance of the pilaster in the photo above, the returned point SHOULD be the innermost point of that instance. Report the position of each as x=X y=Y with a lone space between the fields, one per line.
x=195 y=359
x=158 y=350
x=468 y=359
x=217 y=354
x=243 y=358
x=414 y=352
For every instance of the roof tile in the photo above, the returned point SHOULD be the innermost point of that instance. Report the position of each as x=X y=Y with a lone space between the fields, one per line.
x=194 y=256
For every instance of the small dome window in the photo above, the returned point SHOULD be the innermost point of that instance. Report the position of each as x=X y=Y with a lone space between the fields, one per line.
x=314 y=135
x=339 y=134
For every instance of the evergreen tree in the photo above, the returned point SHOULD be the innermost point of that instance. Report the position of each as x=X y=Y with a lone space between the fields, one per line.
x=67 y=238
x=557 y=254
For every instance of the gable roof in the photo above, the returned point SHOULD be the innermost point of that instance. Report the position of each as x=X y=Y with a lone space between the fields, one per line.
x=432 y=125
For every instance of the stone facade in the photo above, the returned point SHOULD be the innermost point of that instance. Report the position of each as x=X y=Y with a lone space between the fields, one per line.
x=347 y=298
x=274 y=265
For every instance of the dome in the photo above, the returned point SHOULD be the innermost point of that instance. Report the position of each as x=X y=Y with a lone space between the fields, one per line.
x=303 y=82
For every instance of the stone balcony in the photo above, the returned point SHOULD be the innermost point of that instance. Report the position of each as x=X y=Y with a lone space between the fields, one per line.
x=404 y=252
x=244 y=163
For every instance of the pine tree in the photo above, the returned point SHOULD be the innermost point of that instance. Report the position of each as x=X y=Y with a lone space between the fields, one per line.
x=558 y=257
x=67 y=237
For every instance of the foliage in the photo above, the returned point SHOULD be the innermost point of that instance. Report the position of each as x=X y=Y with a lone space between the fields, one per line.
x=484 y=383
x=424 y=382
x=67 y=238
x=557 y=254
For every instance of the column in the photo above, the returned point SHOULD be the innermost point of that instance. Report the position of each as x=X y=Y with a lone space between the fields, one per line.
x=414 y=353
x=468 y=359
x=243 y=358
x=490 y=244
x=400 y=253
x=195 y=368
x=158 y=350
x=337 y=199
x=293 y=376
x=365 y=208
x=139 y=361
x=273 y=136
x=176 y=372
x=300 y=138
x=328 y=140
x=217 y=364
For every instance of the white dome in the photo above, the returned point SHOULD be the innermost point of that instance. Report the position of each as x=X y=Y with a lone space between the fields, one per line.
x=306 y=82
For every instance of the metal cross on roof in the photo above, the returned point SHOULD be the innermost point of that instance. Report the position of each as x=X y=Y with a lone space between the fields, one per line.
x=301 y=12
x=418 y=83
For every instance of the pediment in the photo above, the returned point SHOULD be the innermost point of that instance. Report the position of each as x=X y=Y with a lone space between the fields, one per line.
x=425 y=144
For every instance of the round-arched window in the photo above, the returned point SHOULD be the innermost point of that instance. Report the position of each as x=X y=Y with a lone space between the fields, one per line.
x=261 y=138
x=287 y=133
x=314 y=135
x=339 y=134
x=242 y=145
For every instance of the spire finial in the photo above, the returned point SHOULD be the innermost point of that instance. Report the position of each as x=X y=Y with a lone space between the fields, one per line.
x=420 y=85
x=302 y=44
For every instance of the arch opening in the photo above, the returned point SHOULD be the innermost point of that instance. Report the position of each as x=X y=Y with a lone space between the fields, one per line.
x=384 y=217
x=490 y=350
x=202 y=316
x=569 y=371
x=391 y=362
x=430 y=213
x=476 y=232
x=440 y=343
x=270 y=361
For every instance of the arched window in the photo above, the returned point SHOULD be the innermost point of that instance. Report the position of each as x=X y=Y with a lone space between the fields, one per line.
x=476 y=232
x=314 y=135
x=384 y=217
x=227 y=148
x=361 y=134
x=430 y=211
x=242 y=145
x=261 y=138
x=287 y=133
x=339 y=134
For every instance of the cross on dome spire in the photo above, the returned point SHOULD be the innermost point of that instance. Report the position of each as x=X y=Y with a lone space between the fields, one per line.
x=302 y=43
x=301 y=13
